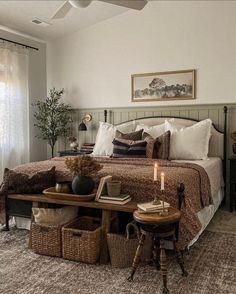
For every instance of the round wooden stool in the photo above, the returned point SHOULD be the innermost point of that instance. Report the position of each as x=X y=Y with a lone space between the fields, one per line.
x=162 y=227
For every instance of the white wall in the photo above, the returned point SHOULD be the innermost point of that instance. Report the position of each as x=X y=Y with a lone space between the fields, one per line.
x=94 y=64
x=37 y=88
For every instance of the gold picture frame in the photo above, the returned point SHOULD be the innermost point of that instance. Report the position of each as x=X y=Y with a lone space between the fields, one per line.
x=164 y=86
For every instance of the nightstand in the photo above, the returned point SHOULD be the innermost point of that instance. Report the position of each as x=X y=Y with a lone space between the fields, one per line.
x=72 y=153
x=232 y=179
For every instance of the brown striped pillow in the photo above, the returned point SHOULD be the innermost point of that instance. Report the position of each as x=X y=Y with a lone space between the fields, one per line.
x=129 y=148
x=134 y=136
x=163 y=148
x=153 y=146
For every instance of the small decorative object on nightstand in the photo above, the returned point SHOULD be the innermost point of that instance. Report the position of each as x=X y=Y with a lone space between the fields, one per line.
x=71 y=153
x=73 y=143
x=232 y=178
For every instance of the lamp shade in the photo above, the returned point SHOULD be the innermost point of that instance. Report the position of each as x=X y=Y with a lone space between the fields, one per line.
x=82 y=127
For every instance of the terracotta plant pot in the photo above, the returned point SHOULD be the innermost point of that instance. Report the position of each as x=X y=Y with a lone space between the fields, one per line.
x=82 y=185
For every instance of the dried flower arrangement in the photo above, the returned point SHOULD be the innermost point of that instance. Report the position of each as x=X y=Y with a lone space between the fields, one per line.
x=83 y=165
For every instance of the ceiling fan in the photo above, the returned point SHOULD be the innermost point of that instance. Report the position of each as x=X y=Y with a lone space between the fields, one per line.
x=67 y=5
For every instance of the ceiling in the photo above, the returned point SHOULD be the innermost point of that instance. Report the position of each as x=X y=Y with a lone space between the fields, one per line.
x=17 y=15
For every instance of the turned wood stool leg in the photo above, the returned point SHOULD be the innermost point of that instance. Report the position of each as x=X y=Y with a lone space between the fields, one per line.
x=163 y=262
x=156 y=252
x=180 y=260
x=137 y=256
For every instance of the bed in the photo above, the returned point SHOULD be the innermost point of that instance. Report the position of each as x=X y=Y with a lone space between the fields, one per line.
x=203 y=179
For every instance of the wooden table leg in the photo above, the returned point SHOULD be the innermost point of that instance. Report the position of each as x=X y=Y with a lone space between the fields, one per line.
x=106 y=224
x=6 y=227
x=137 y=256
x=163 y=262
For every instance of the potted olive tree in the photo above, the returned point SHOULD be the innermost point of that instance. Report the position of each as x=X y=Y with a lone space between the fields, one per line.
x=52 y=118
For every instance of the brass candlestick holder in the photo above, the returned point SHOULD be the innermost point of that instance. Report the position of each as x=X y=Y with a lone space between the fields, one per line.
x=156 y=201
x=163 y=211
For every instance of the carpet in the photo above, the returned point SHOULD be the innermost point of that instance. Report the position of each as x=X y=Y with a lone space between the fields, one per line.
x=211 y=264
x=223 y=222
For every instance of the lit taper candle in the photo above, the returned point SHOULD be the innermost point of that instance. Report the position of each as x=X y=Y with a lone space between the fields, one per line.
x=155 y=171
x=162 y=181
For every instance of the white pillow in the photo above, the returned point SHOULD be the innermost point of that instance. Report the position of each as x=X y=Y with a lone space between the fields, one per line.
x=54 y=216
x=172 y=126
x=191 y=142
x=154 y=131
x=106 y=134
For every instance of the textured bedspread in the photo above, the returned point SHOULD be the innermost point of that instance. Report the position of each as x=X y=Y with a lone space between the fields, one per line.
x=137 y=180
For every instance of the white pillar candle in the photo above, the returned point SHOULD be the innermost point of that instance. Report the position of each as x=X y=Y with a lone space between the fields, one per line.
x=155 y=172
x=162 y=181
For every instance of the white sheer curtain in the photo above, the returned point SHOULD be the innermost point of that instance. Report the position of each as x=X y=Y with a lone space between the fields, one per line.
x=14 y=106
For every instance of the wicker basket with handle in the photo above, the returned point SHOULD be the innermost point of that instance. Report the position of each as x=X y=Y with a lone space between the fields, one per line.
x=46 y=239
x=81 y=239
x=122 y=248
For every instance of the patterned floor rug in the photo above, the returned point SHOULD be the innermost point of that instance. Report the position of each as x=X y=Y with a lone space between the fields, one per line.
x=211 y=264
x=223 y=222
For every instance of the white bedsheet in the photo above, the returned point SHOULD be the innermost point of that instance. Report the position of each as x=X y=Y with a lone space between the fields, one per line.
x=214 y=169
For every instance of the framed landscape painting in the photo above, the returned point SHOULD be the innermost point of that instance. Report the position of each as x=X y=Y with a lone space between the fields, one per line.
x=170 y=85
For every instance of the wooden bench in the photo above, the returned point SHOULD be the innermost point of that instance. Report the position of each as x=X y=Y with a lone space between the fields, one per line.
x=106 y=208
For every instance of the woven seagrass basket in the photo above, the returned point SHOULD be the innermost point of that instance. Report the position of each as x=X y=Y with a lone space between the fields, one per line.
x=81 y=239
x=46 y=239
x=122 y=248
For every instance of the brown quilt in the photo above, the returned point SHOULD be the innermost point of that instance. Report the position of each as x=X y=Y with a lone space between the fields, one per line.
x=137 y=180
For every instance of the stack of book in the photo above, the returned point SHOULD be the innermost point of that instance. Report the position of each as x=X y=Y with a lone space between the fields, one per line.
x=121 y=199
x=102 y=195
x=149 y=207
x=87 y=148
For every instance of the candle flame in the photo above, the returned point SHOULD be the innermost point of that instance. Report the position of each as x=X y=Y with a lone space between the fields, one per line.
x=155 y=164
x=162 y=174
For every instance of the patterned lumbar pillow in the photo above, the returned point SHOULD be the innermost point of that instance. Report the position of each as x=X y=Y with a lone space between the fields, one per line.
x=15 y=182
x=129 y=148
x=159 y=147
x=134 y=136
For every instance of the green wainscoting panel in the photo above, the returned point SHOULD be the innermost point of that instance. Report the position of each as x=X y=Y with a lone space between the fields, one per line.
x=117 y=115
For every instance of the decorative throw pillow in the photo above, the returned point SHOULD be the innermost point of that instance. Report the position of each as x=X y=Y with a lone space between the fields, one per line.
x=22 y=183
x=129 y=148
x=191 y=142
x=153 y=145
x=134 y=136
x=154 y=131
x=106 y=134
x=54 y=216
x=172 y=126
x=161 y=145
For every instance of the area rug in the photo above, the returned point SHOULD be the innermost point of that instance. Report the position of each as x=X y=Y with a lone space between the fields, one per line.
x=223 y=222
x=211 y=264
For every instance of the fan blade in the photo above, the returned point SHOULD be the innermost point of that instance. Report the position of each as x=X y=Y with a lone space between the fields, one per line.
x=133 y=4
x=62 y=11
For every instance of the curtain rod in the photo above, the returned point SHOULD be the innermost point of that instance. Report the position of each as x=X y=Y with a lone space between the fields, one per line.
x=26 y=46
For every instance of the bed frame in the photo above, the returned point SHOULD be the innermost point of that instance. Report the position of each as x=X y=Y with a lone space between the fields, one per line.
x=224 y=133
x=107 y=209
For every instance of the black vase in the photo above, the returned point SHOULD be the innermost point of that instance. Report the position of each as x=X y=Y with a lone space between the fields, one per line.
x=82 y=185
